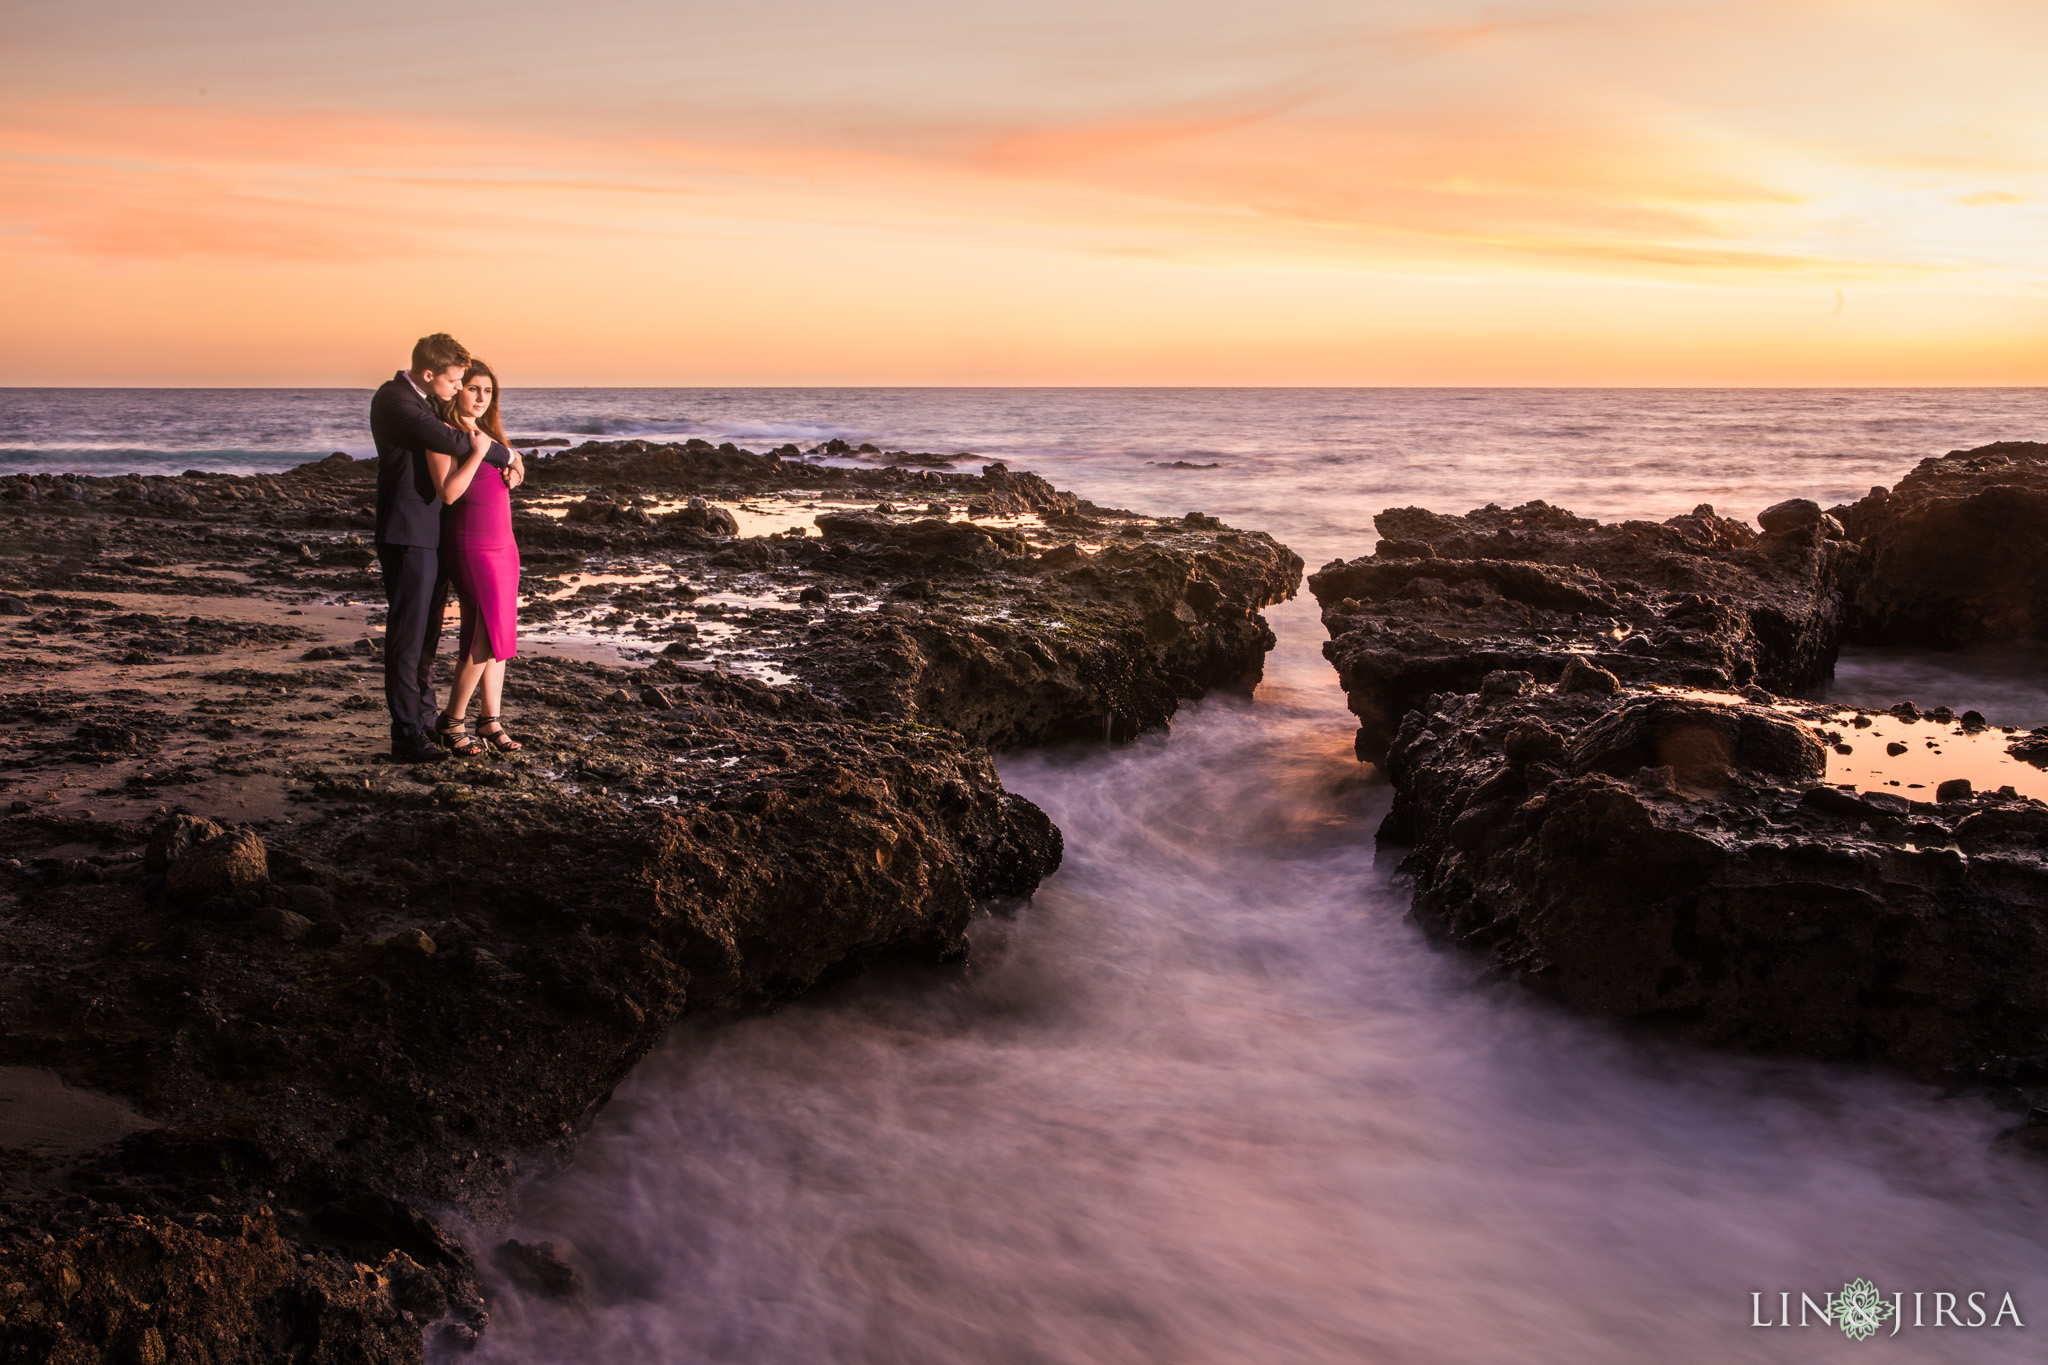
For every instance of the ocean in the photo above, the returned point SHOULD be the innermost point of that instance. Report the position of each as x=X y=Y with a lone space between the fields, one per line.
x=1210 y=1097
x=1608 y=452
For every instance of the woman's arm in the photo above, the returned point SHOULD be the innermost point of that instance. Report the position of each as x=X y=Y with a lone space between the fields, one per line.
x=453 y=479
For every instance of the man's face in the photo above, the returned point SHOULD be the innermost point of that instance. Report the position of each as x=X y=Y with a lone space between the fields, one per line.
x=443 y=383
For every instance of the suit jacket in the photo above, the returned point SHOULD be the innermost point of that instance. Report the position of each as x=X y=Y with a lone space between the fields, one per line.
x=405 y=427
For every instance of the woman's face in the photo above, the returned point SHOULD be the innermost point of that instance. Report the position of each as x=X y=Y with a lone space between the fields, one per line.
x=475 y=398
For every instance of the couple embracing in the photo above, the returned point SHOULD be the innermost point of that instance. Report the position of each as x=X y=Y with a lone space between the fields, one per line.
x=444 y=520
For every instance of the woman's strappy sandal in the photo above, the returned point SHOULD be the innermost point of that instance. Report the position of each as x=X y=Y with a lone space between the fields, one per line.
x=452 y=731
x=497 y=738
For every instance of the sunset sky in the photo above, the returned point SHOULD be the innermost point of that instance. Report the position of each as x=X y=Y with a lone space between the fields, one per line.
x=1110 y=192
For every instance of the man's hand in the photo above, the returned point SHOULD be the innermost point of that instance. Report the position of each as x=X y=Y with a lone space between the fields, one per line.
x=515 y=473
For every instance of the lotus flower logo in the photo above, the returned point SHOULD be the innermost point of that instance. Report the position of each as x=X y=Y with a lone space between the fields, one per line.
x=1860 y=1310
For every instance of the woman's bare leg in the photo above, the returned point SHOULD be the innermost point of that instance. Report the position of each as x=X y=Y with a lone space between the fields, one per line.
x=494 y=687
x=492 y=729
x=468 y=674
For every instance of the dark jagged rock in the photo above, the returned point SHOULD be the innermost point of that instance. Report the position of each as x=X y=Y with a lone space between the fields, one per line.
x=230 y=863
x=150 y=1289
x=1672 y=862
x=1957 y=550
x=1699 y=601
x=699 y=515
x=510 y=944
x=343 y=995
x=1012 y=494
x=1064 y=644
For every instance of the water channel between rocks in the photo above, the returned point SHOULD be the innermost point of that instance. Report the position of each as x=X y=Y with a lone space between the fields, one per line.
x=1210 y=1098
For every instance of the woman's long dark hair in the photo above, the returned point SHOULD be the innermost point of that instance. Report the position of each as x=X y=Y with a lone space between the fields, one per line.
x=489 y=421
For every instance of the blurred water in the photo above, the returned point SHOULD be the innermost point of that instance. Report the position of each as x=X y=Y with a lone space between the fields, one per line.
x=1209 y=1098
x=2008 y=683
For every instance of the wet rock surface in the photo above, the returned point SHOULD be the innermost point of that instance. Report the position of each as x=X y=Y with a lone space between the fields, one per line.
x=348 y=998
x=1679 y=863
x=1604 y=793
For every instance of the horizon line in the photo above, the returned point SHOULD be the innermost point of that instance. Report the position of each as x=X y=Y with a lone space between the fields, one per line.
x=1061 y=388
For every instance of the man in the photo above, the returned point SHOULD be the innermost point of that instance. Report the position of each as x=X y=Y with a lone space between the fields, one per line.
x=408 y=432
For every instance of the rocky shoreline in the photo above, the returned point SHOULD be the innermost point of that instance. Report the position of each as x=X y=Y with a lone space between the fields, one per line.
x=257 y=1068
x=1608 y=786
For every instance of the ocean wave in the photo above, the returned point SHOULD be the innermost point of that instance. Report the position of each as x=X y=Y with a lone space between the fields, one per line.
x=797 y=433
x=763 y=432
x=630 y=428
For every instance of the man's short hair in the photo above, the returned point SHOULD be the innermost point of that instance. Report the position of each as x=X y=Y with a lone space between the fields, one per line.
x=438 y=352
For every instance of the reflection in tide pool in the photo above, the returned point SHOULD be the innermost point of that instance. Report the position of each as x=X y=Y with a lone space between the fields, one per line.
x=1928 y=753
x=1210 y=1098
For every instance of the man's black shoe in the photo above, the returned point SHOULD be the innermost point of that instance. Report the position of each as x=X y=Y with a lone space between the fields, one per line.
x=410 y=745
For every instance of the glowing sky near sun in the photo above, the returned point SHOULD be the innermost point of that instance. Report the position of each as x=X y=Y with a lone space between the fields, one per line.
x=1110 y=192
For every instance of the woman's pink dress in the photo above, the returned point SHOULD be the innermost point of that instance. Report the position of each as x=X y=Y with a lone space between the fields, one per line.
x=481 y=559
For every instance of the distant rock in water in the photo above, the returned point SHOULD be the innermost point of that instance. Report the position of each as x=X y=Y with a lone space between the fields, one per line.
x=1957 y=550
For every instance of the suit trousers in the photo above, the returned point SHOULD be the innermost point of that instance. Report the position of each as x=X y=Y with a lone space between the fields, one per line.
x=417 y=596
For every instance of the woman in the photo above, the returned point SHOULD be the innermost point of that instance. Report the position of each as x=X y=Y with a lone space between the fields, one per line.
x=479 y=556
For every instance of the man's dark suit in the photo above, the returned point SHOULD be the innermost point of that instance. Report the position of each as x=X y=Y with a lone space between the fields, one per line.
x=405 y=427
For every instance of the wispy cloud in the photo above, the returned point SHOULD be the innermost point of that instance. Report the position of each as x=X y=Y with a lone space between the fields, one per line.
x=1784 y=149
